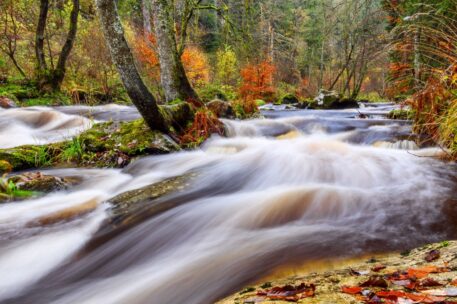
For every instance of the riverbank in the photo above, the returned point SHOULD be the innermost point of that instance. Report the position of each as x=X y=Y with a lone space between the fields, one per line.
x=424 y=275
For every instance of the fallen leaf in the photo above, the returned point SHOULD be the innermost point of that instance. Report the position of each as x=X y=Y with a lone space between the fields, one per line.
x=378 y=268
x=422 y=298
x=433 y=255
x=429 y=282
x=351 y=289
x=289 y=292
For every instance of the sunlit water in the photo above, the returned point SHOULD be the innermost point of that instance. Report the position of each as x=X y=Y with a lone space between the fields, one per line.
x=296 y=186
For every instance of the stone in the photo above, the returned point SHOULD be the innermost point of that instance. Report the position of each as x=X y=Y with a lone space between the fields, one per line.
x=7 y=103
x=288 y=99
x=221 y=109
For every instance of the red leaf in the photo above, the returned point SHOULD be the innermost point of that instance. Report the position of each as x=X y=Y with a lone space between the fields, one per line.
x=351 y=289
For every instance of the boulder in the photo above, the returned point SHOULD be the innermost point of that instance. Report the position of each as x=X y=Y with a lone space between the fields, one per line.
x=330 y=100
x=222 y=109
x=7 y=103
x=178 y=114
x=326 y=98
x=288 y=99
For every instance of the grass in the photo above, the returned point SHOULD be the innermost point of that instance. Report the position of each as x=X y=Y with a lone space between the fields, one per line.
x=9 y=191
x=73 y=150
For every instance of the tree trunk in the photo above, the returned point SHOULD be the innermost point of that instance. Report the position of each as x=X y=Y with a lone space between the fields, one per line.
x=52 y=78
x=125 y=64
x=59 y=72
x=40 y=31
x=173 y=76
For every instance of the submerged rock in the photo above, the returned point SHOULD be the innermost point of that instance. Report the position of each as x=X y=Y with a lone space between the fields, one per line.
x=221 y=109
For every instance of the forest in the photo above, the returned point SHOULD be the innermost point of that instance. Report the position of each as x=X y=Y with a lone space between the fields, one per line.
x=228 y=151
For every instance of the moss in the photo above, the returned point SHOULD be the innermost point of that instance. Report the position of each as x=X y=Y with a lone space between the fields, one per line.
x=18 y=91
x=401 y=114
x=5 y=167
x=214 y=91
x=260 y=102
x=26 y=157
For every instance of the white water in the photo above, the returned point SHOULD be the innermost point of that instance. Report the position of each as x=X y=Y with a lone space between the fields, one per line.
x=258 y=203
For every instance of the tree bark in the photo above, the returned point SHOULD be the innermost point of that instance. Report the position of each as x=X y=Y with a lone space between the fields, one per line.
x=175 y=83
x=147 y=26
x=125 y=64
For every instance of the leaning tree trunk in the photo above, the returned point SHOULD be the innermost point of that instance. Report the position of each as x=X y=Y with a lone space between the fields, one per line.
x=175 y=83
x=125 y=64
x=51 y=79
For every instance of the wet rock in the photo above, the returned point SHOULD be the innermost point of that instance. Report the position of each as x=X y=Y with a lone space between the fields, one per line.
x=7 y=103
x=132 y=207
x=222 y=109
x=38 y=182
x=123 y=204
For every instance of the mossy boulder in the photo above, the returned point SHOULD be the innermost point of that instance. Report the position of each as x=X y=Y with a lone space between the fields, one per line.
x=221 y=109
x=178 y=114
x=288 y=99
x=330 y=100
x=104 y=145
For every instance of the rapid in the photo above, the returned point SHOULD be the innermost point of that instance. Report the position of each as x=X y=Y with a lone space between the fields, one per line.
x=297 y=186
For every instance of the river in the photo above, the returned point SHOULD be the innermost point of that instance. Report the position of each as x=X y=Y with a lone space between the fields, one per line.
x=296 y=186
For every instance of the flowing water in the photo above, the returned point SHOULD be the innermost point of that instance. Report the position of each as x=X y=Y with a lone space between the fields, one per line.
x=294 y=187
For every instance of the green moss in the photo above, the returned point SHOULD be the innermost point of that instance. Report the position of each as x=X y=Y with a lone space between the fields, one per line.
x=213 y=91
x=5 y=167
x=260 y=102
x=26 y=157
x=10 y=192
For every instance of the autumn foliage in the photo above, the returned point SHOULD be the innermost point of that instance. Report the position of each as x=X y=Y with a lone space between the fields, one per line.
x=194 y=61
x=257 y=81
